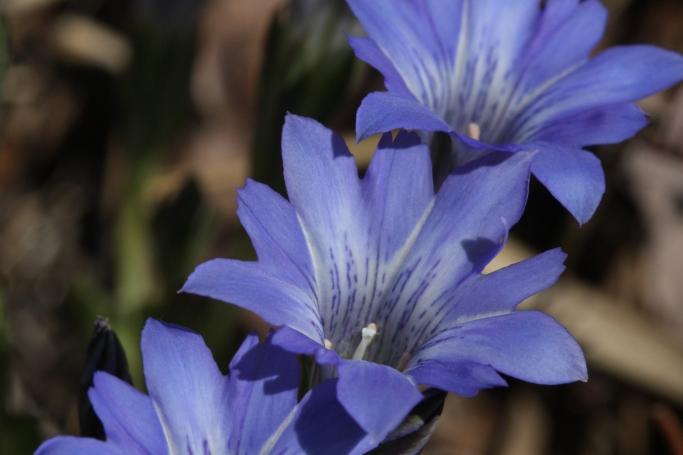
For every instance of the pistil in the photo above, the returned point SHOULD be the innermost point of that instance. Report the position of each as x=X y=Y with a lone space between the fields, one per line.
x=367 y=335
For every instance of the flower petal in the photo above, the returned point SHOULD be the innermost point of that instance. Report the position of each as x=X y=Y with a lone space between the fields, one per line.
x=367 y=50
x=381 y=112
x=461 y=377
x=420 y=44
x=323 y=185
x=497 y=33
x=527 y=345
x=448 y=54
x=378 y=397
x=575 y=177
x=398 y=188
x=458 y=237
x=566 y=34
x=617 y=75
x=275 y=232
x=493 y=36
x=501 y=291
x=127 y=415
x=187 y=389
x=294 y=341
x=603 y=125
x=71 y=445
x=501 y=183
x=247 y=285
x=320 y=173
x=262 y=391
x=360 y=382
x=320 y=424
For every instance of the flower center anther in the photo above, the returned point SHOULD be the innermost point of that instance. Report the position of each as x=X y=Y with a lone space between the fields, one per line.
x=474 y=131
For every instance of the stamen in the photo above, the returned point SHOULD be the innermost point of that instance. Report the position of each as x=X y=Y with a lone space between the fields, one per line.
x=474 y=131
x=367 y=333
x=328 y=344
x=403 y=361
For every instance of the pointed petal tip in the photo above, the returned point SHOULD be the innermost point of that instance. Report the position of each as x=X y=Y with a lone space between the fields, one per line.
x=193 y=284
x=153 y=331
x=580 y=374
x=250 y=341
x=560 y=253
x=248 y=183
x=156 y=333
x=574 y=176
x=582 y=365
x=560 y=258
x=298 y=121
x=557 y=255
x=99 y=378
x=582 y=217
x=99 y=381
x=299 y=126
x=363 y=129
x=189 y=284
x=584 y=376
x=363 y=135
x=151 y=326
x=576 y=369
x=186 y=288
x=290 y=116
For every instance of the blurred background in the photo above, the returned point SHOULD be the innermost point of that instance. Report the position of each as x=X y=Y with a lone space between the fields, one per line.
x=126 y=127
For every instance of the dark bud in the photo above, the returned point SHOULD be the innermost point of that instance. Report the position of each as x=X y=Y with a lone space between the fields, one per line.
x=105 y=353
x=416 y=429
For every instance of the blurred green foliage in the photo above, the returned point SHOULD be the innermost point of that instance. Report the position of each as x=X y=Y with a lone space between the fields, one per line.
x=308 y=69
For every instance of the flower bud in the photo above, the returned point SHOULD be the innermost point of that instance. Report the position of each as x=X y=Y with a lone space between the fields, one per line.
x=105 y=353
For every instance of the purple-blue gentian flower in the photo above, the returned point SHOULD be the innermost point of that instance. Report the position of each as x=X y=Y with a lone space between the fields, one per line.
x=380 y=279
x=510 y=75
x=192 y=408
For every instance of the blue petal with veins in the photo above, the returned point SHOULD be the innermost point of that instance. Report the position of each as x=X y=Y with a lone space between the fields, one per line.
x=194 y=409
x=509 y=75
x=392 y=268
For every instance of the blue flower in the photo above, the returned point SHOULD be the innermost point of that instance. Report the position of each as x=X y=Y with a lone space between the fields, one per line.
x=508 y=75
x=380 y=278
x=192 y=408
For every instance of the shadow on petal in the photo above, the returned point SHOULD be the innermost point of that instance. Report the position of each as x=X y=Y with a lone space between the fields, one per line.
x=265 y=361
